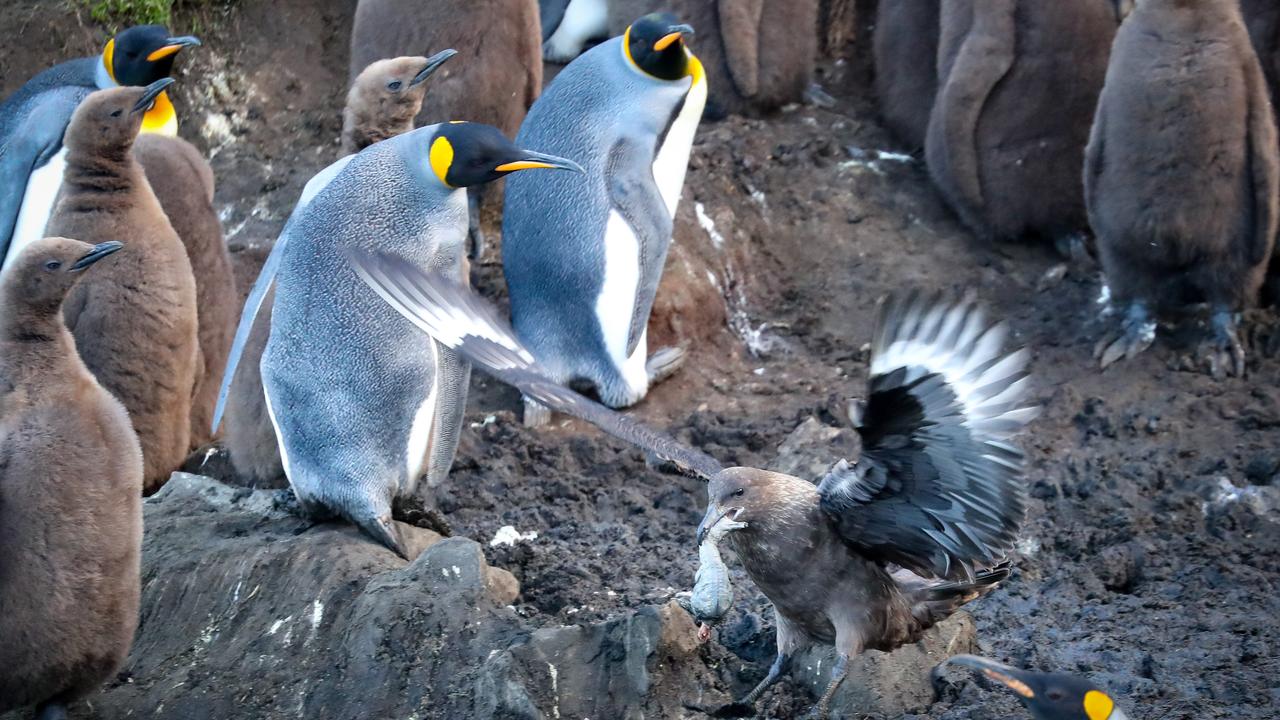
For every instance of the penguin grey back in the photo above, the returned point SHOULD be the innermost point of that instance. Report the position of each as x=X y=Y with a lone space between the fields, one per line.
x=1007 y=167
x=554 y=224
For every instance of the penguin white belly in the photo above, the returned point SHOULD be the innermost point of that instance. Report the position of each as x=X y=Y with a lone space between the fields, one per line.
x=417 y=453
x=617 y=300
x=583 y=20
x=284 y=453
x=672 y=161
x=37 y=205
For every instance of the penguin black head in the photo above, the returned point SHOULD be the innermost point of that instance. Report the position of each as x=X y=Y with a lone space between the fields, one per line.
x=143 y=54
x=108 y=121
x=655 y=44
x=1048 y=696
x=465 y=154
x=46 y=269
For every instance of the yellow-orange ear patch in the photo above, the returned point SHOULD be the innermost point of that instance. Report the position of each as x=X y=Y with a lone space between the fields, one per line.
x=161 y=119
x=1097 y=705
x=442 y=158
x=109 y=57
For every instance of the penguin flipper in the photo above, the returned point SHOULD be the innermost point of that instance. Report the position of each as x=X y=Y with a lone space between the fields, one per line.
x=985 y=56
x=36 y=139
x=458 y=318
x=740 y=33
x=634 y=195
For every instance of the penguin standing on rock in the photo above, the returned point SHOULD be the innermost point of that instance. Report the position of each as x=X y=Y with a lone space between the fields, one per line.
x=1181 y=174
x=135 y=320
x=498 y=79
x=906 y=59
x=1018 y=82
x=582 y=254
x=183 y=183
x=382 y=103
x=70 y=496
x=33 y=120
x=362 y=404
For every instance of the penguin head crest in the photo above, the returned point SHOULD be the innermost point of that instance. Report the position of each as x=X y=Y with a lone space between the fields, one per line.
x=143 y=54
x=389 y=93
x=107 y=122
x=45 y=271
x=656 y=45
x=464 y=154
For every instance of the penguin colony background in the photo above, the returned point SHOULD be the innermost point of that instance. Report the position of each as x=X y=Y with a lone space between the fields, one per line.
x=1137 y=139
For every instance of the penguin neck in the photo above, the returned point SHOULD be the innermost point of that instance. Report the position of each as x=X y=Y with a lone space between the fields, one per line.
x=101 y=171
x=32 y=332
x=102 y=76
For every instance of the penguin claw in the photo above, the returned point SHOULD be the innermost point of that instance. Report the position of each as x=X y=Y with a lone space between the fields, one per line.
x=1223 y=355
x=664 y=363
x=1128 y=344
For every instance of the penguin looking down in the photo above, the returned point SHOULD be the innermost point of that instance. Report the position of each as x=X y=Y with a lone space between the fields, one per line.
x=382 y=103
x=938 y=490
x=583 y=254
x=71 y=515
x=1048 y=696
x=338 y=363
x=33 y=120
x=135 y=320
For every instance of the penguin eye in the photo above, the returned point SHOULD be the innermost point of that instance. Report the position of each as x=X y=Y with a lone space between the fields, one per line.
x=52 y=264
x=739 y=492
x=395 y=85
x=1055 y=695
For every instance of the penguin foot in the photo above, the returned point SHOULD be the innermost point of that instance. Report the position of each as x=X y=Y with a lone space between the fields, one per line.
x=664 y=363
x=51 y=711
x=384 y=530
x=413 y=511
x=536 y=414
x=1137 y=334
x=1222 y=354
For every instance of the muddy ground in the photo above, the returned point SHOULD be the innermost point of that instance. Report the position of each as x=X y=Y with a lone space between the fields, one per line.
x=1151 y=558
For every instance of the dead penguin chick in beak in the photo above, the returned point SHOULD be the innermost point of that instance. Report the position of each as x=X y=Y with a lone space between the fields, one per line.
x=712 y=594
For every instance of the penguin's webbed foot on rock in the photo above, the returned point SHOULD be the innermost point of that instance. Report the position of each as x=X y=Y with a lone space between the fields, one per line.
x=1137 y=333
x=536 y=414
x=1222 y=354
x=664 y=363
x=51 y=711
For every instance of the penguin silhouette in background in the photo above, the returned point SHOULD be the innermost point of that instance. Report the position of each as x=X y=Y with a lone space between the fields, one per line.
x=183 y=183
x=71 y=482
x=33 y=120
x=759 y=54
x=906 y=65
x=134 y=320
x=499 y=78
x=1018 y=82
x=567 y=26
x=382 y=103
x=385 y=406
x=1182 y=175
x=582 y=254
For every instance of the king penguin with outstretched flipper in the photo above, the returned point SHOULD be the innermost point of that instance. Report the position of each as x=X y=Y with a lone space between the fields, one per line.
x=583 y=254
x=33 y=120
x=362 y=404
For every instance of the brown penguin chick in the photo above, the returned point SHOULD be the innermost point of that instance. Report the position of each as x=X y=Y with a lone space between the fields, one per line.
x=385 y=98
x=758 y=54
x=134 y=321
x=495 y=82
x=938 y=489
x=1181 y=174
x=183 y=183
x=1018 y=82
x=906 y=65
x=71 y=489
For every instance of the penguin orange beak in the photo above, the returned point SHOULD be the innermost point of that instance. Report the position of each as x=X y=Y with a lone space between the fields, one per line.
x=96 y=253
x=534 y=161
x=674 y=33
x=173 y=45
x=433 y=63
x=150 y=94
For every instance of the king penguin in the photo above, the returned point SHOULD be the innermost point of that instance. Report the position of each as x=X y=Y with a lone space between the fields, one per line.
x=33 y=120
x=583 y=255
x=362 y=404
x=382 y=103
x=71 y=489
x=135 y=320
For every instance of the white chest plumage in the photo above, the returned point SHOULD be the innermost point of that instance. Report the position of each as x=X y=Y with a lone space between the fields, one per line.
x=37 y=205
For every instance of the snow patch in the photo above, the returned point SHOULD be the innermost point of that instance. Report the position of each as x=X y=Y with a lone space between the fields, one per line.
x=508 y=535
